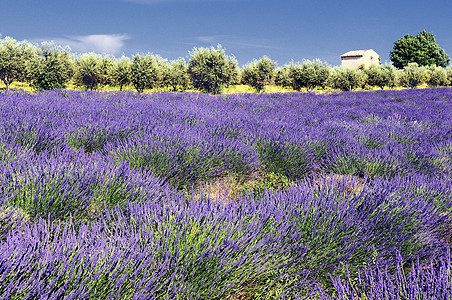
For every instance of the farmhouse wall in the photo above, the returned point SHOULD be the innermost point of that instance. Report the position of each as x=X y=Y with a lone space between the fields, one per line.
x=354 y=59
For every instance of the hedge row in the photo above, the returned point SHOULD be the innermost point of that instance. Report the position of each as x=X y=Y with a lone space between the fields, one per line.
x=209 y=69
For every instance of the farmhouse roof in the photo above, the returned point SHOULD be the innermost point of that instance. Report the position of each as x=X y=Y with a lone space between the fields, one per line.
x=356 y=53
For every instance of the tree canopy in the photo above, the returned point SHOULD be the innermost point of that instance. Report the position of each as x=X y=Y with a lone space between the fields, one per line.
x=121 y=72
x=89 y=71
x=145 y=72
x=310 y=74
x=421 y=49
x=211 y=69
x=53 y=68
x=259 y=73
x=14 y=57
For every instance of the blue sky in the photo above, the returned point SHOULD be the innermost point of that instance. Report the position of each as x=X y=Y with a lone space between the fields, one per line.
x=283 y=30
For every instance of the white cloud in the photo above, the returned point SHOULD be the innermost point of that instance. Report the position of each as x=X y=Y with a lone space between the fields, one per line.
x=99 y=43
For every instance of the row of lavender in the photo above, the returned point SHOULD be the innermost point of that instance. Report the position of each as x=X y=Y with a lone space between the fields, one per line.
x=383 y=133
x=94 y=204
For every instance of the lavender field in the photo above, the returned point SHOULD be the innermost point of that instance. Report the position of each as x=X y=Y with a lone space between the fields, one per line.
x=123 y=195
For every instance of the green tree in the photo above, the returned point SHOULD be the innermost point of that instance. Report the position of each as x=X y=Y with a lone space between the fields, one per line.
x=210 y=70
x=145 y=72
x=449 y=76
x=437 y=76
x=309 y=75
x=106 y=65
x=282 y=77
x=53 y=69
x=381 y=76
x=162 y=68
x=346 y=79
x=232 y=73
x=176 y=75
x=15 y=58
x=259 y=73
x=421 y=49
x=121 y=72
x=88 y=71
x=296 y=78
x=412 y=75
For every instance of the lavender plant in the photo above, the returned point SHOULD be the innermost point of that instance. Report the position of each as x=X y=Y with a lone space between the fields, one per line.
x=101 y=195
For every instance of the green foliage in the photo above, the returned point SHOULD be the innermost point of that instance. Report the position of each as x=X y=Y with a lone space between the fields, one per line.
x=347 y=79
x=421 y=49
x=437 y=76
x=121 y=72
x=10 y=219
x=182 y=167
x=412 y=75
x=106 y=69
x=145 y=72
x=232 y=72
x=259 y=73
x=52 y=69
x=14 y=60
x=282 y=77
x=89 y=71
x=91 y=139
x=353 y=165
x=449 y=76
x=46 y=196
x=271 y=181
x=381 y=76
x=210 y=70
x=286 y=159
x=309 y=75
x=296 y=78
x=175 y=75
x=162 y=66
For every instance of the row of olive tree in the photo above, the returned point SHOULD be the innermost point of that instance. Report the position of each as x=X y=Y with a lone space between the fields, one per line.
x=312 y=74
x=52 y=67
x=209 y=69
x=316 y=74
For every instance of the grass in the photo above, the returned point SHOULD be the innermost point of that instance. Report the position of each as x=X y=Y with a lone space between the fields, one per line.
x=231 y=188
x=235 y=89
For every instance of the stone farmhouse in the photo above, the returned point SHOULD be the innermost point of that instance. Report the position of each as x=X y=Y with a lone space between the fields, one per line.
x=354 y=59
